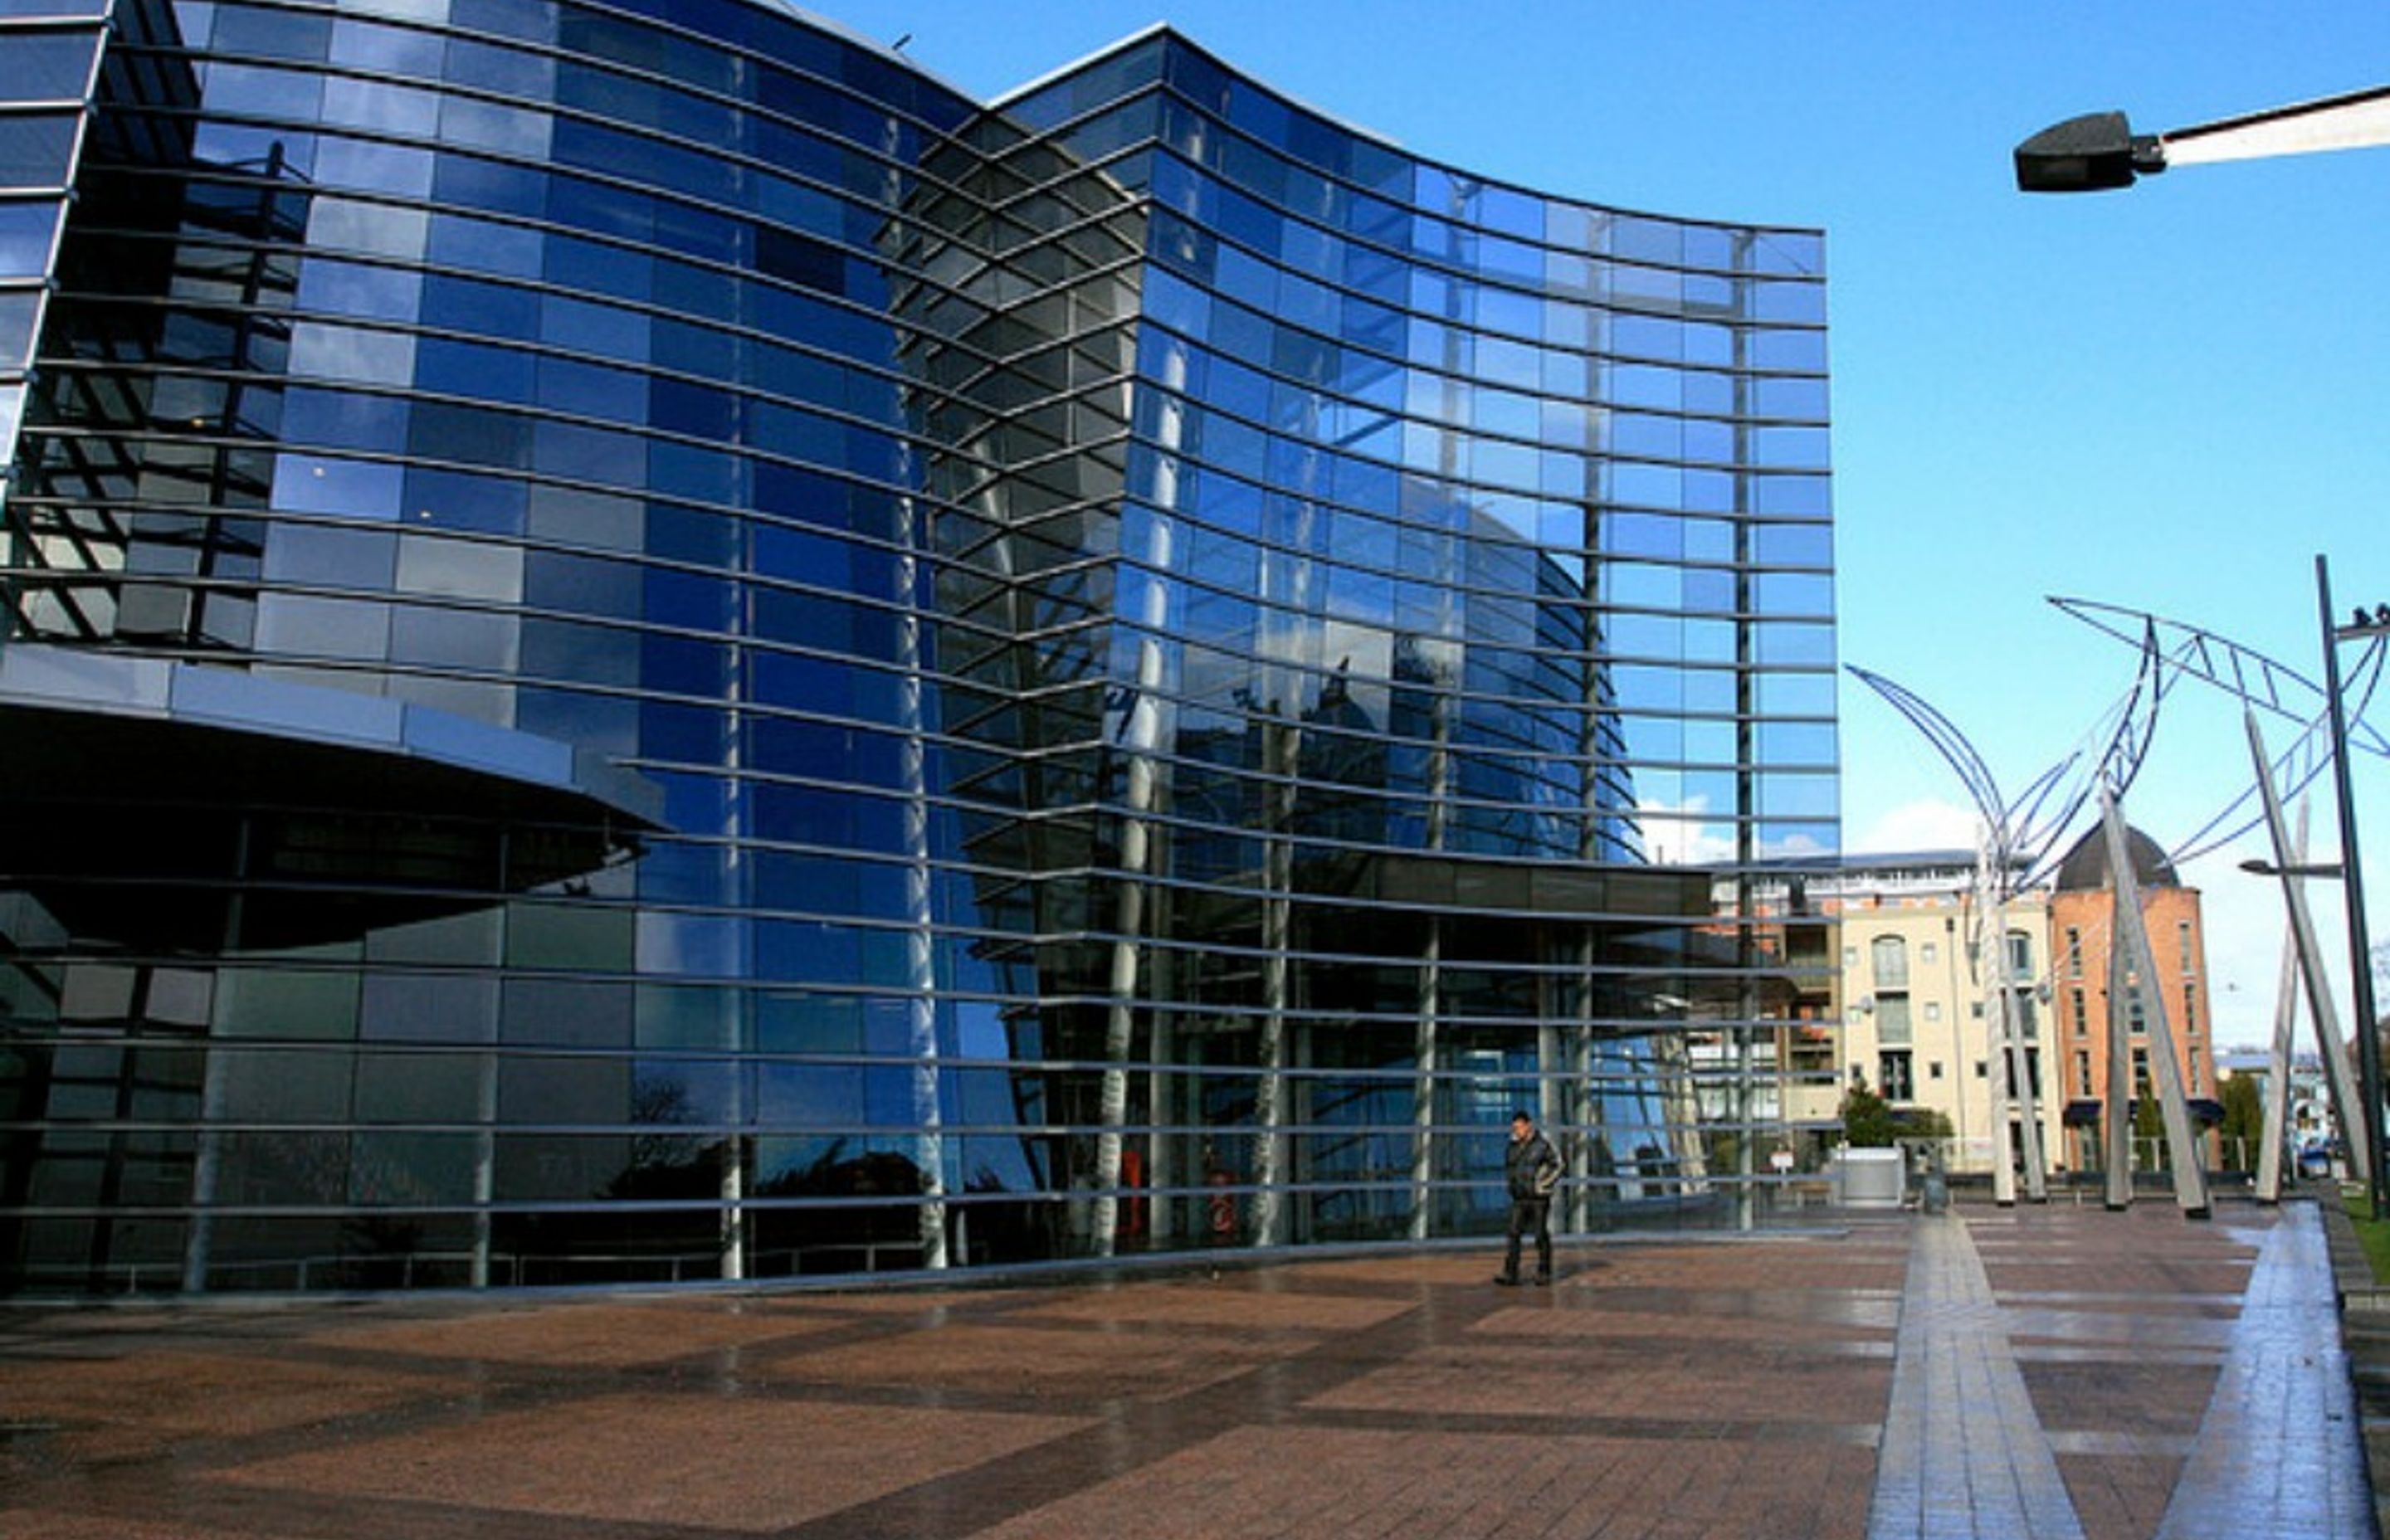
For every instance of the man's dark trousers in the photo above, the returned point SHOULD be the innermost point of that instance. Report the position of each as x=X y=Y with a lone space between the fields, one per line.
x=1529 y=1215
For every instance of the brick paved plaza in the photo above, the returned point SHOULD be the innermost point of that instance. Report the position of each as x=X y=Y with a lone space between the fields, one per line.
x=2034 y=1372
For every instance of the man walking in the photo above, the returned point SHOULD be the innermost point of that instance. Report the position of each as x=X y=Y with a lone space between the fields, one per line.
x=1532 y=1168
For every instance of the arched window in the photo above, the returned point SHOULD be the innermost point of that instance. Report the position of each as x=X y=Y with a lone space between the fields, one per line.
x=1890 y=955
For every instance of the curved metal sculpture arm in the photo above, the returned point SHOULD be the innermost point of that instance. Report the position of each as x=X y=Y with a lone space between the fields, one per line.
x=1947 y=741
x=2122 y=736
x=2111 y=754
x=2308 y=756
x=2294 y=768
x=2025 y=833
x=2241 y=671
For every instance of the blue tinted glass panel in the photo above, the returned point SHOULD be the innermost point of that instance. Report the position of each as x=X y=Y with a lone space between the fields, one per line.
x=44 y=67
x=471 y=182
x=356 y=489
x=35 y=149
x=475 y=369
x=17 y=310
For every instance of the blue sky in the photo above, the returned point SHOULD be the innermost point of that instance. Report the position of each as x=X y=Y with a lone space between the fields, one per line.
x=2169 y=399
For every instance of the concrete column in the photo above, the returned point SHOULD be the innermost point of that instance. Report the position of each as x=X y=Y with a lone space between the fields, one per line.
x=2286 y=1011
x=2118 y=1156
x=1589 y=1107
x=1996 y=1013
x=1424 y=1045
x=2274 y=1131
x=1162 y=1101
x=1423 y=1057
x=2348 y=1106
x=1549 y=1114
x=2127 y=930
x=1282 y=758
x=921 y=949
x=207 y=1157
x=1138 y=737
x=485 y=1163
x=2009 y=1045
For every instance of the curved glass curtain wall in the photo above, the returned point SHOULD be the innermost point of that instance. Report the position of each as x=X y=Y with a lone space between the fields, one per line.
x=1194 y=661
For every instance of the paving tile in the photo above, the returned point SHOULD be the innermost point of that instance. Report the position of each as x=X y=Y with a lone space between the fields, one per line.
x=1626 y=1379
x=1865 y=1321
x=1705 y=1313
x=2118 y=1394
x=1307 y=1482
x=148 y=1403
x=1009 y=1360
x=18 y=1523
x=597 y=1335
x=1229 y=1302
x=2043 y=1370
x=742 y=1465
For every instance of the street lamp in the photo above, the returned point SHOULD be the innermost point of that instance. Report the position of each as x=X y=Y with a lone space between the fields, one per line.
x=2327 y=870
x=2099 y=151
x=2093 y=153
x=2360 y=961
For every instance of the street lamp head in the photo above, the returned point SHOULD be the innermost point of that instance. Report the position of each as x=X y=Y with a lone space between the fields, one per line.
x=2257 y=868
x=2363 y=622
x=2091 y=153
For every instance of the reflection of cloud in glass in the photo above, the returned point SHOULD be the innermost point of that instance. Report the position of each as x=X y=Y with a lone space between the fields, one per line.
x=1675 y=834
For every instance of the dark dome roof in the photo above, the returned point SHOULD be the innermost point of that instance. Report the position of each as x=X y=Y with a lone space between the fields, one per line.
x=2086 y=866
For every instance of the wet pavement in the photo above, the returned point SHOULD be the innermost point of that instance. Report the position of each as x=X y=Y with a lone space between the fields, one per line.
x=2027 y=1372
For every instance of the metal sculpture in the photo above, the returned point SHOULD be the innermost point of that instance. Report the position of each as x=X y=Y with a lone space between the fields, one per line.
x=2019 y=836
x=2026 y=830
x=2260 y=683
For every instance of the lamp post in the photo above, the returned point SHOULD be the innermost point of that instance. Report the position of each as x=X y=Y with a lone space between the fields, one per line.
x=2305 y=961
x=2360 y=960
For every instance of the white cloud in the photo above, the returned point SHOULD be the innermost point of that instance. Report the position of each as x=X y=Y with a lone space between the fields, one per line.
x=2245 y=922
x=1931 y=824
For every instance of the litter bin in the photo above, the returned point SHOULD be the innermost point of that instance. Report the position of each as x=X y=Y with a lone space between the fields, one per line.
x=1870 y=1178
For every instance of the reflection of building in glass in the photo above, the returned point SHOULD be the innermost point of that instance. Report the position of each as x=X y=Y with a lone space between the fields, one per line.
x=660 y=648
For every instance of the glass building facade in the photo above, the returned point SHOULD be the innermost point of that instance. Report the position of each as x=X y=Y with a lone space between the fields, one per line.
x=641 y=643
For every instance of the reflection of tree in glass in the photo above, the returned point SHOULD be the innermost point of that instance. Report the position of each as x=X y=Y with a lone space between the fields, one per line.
x=663 y=1100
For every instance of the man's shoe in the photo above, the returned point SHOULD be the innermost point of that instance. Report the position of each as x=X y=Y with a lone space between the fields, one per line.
x=1506 y=1280
x=1543 y=1280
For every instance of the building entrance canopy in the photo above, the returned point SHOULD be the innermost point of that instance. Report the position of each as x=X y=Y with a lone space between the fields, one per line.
x=144 y=788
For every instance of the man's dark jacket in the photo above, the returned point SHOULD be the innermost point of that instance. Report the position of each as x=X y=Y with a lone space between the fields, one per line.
x=1531 y=1166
